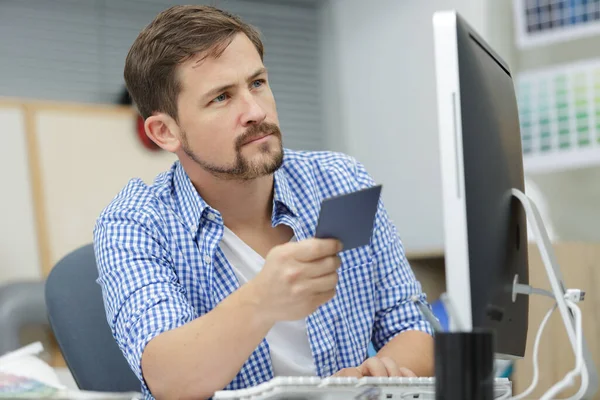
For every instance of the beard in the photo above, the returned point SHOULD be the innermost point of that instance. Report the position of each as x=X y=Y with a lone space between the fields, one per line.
x=241 y=168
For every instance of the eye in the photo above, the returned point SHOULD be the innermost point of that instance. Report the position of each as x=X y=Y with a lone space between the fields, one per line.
x=258 y=83
x=220 y=98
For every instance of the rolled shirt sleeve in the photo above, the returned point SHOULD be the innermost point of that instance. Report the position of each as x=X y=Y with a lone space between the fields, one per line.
x=142 y=295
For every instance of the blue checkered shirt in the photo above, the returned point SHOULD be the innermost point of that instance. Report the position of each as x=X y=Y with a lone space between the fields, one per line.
x=160 y=265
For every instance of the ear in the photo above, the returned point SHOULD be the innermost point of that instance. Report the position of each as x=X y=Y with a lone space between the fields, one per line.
x=164 y=131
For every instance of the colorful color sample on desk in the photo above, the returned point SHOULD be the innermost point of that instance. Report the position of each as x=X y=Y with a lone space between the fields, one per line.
x=17 y=387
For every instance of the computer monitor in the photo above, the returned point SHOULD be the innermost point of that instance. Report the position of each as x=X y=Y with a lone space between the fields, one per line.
x=481 y=160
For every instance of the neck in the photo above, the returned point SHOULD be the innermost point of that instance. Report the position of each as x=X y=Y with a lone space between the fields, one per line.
x=241 y=203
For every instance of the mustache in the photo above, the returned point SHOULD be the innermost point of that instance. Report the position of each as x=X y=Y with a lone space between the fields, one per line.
x=257 y=131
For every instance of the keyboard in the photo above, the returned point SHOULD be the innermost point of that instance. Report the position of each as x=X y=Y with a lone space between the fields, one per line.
x=345 y=388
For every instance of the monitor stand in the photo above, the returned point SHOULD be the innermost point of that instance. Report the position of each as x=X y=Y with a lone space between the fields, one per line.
x=589 y=373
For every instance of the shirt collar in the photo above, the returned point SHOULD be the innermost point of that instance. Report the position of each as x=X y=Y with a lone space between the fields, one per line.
x=282 y=193
x=193 y=205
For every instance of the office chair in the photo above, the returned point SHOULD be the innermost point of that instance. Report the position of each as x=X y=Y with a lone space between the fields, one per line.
x=78 y=320
x=22 y=303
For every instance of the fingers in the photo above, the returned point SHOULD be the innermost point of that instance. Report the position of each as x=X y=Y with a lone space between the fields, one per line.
x=373 y=367
x=391 y=367
x=323 y=284
x=384 y=366
x=407 y=372
x=314 y=249
x=322 y=267
x=311 y=258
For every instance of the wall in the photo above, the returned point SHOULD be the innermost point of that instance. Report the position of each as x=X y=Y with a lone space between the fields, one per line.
x=18 y=241
x=380 y=101
x=83 y=44
x=378 y=90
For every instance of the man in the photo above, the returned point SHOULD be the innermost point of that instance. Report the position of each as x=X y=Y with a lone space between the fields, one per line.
x=210 y=276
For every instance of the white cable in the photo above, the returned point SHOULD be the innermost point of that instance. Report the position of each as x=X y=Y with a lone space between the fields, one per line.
x=569 y=378
x=536 y=348
x=583 y=387
x=571 y=297
x=520 y=288
x=575 y=295
x=580 y=363
x=585 y=382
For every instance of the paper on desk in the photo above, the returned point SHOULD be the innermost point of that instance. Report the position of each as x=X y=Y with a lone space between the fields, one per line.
x=33 y=368
x=23 y=375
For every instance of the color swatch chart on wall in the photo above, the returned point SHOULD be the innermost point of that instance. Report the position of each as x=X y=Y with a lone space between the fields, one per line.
x=546 y=15
x=559 y=109
x=543 y=22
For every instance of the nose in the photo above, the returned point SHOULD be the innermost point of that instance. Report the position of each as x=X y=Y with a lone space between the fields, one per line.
x=253 y=113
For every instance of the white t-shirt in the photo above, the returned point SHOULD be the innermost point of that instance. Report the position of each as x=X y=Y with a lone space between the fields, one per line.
x=288 y=341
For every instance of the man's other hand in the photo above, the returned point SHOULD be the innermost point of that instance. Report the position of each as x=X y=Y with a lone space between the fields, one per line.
x=376 y=366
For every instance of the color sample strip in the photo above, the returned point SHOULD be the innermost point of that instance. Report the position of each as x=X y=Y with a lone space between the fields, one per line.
x=581 y=109
x=596 y=80
x=561 y=103
x=525 y=116
x=545 y=129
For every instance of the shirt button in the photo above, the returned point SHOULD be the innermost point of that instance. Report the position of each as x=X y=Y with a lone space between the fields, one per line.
x=211 y=217
x=207 y=259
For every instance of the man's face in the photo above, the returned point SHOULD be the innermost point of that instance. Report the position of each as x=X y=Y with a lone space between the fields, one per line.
x=227 y=113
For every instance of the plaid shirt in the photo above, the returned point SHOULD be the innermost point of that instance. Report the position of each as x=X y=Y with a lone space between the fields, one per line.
x=160 y=265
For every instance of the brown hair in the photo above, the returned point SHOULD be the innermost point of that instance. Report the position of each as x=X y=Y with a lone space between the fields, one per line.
x=173 y=37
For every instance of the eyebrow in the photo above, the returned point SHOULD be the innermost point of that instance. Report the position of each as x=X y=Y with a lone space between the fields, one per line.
x=224 y=88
